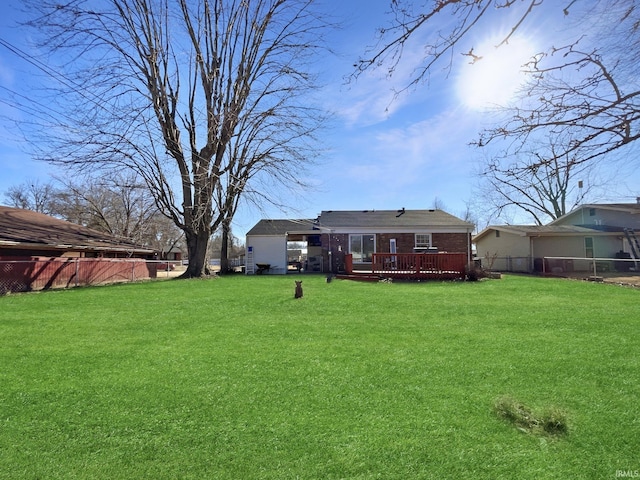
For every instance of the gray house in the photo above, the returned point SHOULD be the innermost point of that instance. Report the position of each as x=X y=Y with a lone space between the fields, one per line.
x=602 y=231
x=325 y=243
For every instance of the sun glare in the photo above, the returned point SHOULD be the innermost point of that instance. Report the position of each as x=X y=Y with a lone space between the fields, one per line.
x=494 y=75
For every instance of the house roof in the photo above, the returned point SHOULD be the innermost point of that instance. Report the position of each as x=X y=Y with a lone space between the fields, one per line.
x=280 y=227
x=541 y=230
x=632 y=208
x=623 y=207
x=390 y=219
x=358 y=219
x=556 y=227
x=25 y=229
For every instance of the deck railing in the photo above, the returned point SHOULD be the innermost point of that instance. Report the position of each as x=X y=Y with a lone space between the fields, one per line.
x=419 y=265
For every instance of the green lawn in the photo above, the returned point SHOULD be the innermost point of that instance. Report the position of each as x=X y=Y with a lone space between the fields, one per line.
x=232 y=378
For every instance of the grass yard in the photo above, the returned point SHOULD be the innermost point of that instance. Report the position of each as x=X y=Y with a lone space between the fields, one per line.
x=232 y=378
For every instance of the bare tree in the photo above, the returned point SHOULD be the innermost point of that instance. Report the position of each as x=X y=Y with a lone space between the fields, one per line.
x=442 y=26
x=32 y=195
x=119 y=205
x=164 y=88
x=585 y=104
x=163 y=236
x=587 y=98
x=581 y=99
x=582 y=105
x=544 y=187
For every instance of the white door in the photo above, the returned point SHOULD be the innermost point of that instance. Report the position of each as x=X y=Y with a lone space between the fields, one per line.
x=392 y=249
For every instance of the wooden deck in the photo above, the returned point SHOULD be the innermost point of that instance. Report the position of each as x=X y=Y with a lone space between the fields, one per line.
x=411 y=266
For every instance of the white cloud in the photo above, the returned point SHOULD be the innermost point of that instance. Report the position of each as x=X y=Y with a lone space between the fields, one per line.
x=435 y=141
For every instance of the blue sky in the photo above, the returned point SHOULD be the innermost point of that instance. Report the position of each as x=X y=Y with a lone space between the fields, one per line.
x=381 y=153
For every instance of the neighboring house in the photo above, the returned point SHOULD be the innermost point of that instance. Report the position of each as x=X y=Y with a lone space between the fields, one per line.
x=41 y=252
x=174 y=254
x=336 y=237
x=590 y=231
x=25 y=234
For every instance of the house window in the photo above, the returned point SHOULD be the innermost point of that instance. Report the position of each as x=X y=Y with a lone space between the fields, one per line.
x=497 y=233
x=588 y=247
x=314 y=241
x=423 y=240
x=361 y=247
x=592 y=212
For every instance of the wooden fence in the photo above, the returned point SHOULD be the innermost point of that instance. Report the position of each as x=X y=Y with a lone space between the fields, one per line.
x=42 y=274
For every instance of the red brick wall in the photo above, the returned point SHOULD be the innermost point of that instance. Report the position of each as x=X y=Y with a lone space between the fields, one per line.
x=452 y=242
x=405 y=242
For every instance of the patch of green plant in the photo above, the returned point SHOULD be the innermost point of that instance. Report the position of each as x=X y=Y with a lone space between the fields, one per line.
x=551 y=420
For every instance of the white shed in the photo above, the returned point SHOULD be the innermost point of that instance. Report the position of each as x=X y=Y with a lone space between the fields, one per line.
x=266 y=246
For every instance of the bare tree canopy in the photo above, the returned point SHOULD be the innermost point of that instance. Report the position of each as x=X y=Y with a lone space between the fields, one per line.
x=442 y=26
x=202 y=99
x=543 y=188
x=119 y=205
x=32 y=195
x=578 y=109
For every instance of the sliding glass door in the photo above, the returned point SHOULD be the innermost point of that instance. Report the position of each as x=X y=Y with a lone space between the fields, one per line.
x=361 y=247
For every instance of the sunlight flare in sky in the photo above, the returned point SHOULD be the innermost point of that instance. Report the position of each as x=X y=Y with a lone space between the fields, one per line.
x=493 y=74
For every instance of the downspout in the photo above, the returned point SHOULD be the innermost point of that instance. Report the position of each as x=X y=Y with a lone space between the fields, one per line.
x=532 y=266
x=330 y=255
x=286 y=252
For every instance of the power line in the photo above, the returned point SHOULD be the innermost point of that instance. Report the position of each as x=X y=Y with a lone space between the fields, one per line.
x=52 y=73
x=28 y=107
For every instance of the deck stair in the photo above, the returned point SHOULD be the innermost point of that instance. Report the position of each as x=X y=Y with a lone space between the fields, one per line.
x=634 y=244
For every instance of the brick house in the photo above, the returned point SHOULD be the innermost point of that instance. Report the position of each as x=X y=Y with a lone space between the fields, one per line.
x=336 y=238
x=25 y=234
x=41 y=252
x=601 y=231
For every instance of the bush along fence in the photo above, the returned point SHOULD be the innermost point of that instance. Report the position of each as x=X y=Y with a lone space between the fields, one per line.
x=43 y=274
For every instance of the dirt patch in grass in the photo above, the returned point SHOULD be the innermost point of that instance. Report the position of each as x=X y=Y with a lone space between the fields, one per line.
x=631 y=279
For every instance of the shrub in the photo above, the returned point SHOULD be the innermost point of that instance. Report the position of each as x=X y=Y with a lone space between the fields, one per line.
x=474 y=272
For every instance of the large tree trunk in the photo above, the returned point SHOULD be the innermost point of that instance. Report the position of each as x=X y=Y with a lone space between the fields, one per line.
x=197 y=252
x=224 y=248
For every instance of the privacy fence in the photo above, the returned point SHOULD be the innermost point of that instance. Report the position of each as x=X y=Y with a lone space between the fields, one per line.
x=509 y=264
x=29 y=275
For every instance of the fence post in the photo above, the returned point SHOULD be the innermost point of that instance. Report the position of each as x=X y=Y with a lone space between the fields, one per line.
x=77 y=261
x=595 y=269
